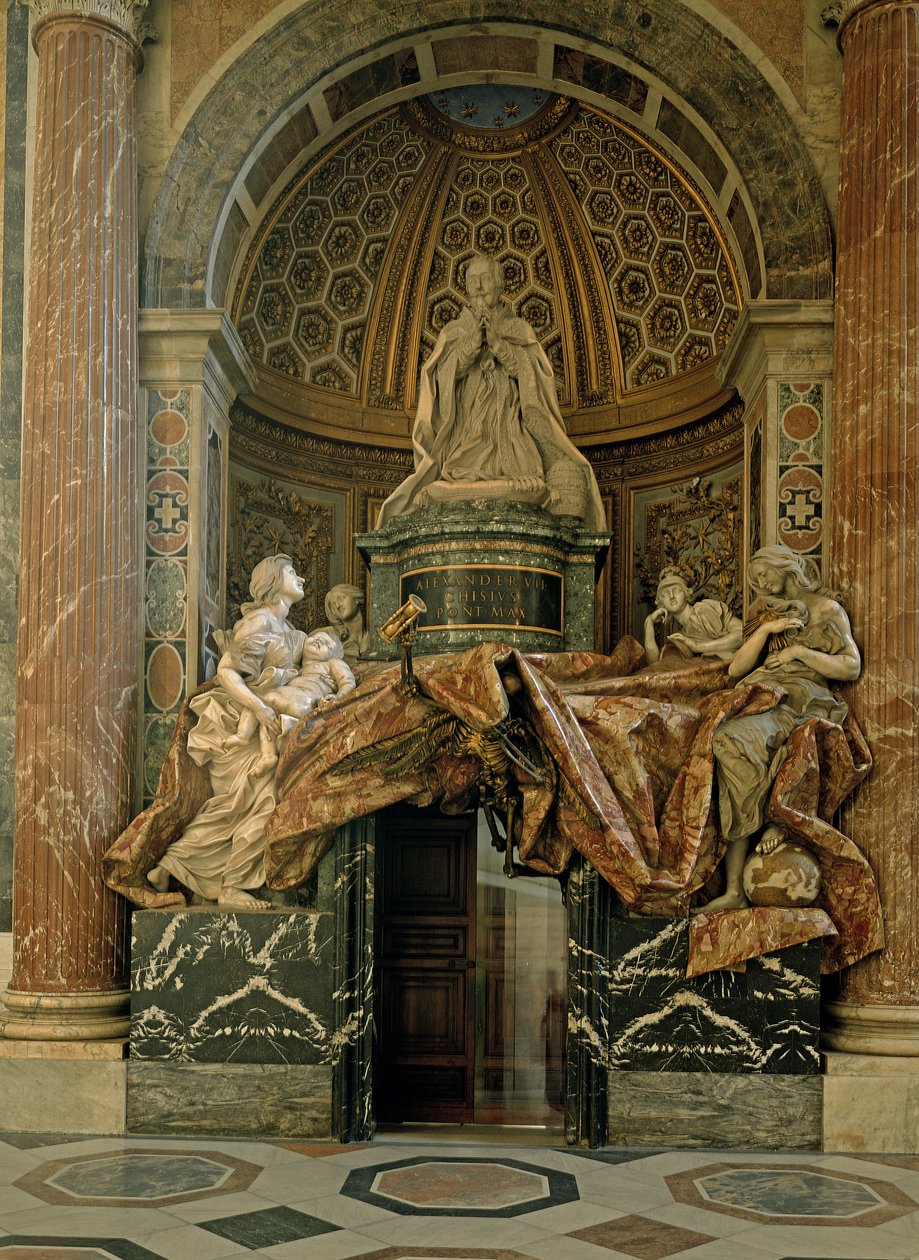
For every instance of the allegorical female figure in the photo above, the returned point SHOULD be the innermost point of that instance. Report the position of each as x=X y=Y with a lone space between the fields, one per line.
x=798 y=638
x=220 y=854
x=705 y=628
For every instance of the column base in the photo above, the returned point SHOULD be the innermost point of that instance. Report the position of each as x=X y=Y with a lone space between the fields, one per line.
x=65 y=1016
x=871 y=1103
x=872 y=1030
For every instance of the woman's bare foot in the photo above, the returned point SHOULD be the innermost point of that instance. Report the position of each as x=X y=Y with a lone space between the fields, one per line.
x=727 y=901
x=159 y=879
x=239 y=899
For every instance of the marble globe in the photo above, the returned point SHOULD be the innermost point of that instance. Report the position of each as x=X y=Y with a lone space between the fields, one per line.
x=788 y=876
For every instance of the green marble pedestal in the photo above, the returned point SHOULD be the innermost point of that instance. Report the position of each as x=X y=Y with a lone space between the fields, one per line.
x=488 y=571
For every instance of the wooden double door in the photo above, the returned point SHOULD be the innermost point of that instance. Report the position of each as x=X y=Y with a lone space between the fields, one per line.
x=456 y=1027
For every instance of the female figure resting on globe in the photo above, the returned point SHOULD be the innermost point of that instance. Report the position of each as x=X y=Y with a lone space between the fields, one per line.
x=798 y=637
x=220 y=854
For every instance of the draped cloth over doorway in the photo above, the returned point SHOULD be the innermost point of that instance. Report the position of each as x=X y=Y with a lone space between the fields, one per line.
x=631 y=786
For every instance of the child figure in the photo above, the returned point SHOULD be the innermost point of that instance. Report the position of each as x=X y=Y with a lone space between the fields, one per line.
x=324 y=677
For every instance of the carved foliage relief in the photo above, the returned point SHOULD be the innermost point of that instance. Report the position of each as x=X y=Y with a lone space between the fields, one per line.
x=272 y=516
x=698 y=528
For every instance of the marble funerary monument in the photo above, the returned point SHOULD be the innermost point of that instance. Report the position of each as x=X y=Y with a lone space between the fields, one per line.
x=579 y=338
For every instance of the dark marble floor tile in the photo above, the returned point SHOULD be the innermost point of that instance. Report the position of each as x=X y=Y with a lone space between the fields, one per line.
x=268 y=1228
x=609 y=1156
x=645 y=1239
x=44 y=1247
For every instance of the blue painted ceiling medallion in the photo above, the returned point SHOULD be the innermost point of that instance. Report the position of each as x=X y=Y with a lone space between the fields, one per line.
x=489 y=106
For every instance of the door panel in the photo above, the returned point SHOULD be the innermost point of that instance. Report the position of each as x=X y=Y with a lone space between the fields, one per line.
x=425 y=978
x=469 y=979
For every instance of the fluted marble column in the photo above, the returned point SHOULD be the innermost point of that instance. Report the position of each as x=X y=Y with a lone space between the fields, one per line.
x=77 y=680
x=875 y=560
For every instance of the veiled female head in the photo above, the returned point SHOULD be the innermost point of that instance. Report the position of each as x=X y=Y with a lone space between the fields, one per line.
x=777 y=569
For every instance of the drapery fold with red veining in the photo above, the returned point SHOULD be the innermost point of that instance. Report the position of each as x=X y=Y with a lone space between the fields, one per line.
x=635 y=748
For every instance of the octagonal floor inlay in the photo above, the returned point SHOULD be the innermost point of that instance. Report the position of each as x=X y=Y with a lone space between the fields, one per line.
x=446 y=1185
x=794 y=1194
x=460 y=1187
x=138 y=1178
x=789 y=1193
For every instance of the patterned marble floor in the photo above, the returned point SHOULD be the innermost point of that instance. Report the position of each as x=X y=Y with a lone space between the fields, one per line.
x=139 y=1199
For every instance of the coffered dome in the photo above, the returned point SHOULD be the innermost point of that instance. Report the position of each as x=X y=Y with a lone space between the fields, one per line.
x=609 y=250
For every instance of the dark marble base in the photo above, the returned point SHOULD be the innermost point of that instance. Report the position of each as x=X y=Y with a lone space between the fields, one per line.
x=764 y=1019
x=686 y=1110
x=211 y=986
x=249 y=1100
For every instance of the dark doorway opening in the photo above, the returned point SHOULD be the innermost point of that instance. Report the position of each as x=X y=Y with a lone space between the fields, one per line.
x=469 y=979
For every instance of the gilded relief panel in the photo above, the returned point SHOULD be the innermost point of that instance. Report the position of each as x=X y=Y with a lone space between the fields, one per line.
x=270 y=515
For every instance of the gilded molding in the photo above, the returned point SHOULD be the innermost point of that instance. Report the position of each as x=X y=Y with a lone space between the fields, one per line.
x=554 y=115
x=128 y=15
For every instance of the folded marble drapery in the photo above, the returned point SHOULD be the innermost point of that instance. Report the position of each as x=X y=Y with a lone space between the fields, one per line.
x=631 y=748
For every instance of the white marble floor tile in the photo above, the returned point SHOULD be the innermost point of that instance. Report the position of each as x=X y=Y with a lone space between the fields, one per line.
x=340 y=1246
x=831 y=1243
x=12 y=1199
x=217 y=1206
x=688 y=1217
x=339 y=1209
x=621 y=1194
x=186 y=1242
x=281 y=1183
x=457 y=1231
x=101 y=1222
x=568 y=1216
x=737 y=1249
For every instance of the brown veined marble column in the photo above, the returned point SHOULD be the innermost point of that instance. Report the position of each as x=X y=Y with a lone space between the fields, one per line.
x=77 y=681
x=875 y=504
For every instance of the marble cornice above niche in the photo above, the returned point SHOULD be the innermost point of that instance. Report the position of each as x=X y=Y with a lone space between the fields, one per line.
x=129 y=16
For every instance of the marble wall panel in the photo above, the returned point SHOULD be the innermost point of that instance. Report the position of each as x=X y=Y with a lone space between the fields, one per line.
x=685 y=1110
x=683 y=132
x=246 y=1100
x=801 y=447
x=166 y=557
x=217 y=987
x=765 y=1019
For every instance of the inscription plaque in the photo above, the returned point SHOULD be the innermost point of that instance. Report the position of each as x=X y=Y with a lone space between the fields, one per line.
x=502 y=596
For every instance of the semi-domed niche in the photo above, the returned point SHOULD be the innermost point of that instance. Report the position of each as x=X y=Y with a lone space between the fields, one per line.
x=609 y=250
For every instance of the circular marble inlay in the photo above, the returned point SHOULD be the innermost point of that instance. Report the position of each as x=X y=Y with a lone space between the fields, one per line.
x=140 y=1176
x=446 y=1185
x=789 y=1192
